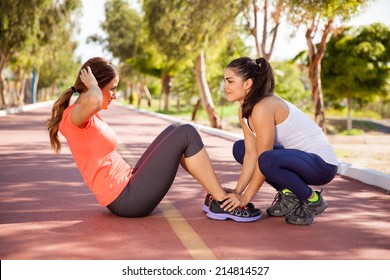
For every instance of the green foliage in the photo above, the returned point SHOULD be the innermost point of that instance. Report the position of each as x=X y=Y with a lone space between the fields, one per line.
x=301 y=11
x=181 y=29
x=342 y=112
x=31 y=29
x=37 y=35
x=217 y=59
x=122 y=26
x=167 y=36
x=290 y=84
x=353 y=131
x=59 y=68
x=356 y=64
x=56 y=63
x=19 y=23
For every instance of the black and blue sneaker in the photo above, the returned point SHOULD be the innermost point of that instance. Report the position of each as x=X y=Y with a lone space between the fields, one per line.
x=240 y=214
x=206 y=204
x=207 y=200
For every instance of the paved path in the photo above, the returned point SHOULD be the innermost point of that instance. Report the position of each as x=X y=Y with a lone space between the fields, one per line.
x=47 y=212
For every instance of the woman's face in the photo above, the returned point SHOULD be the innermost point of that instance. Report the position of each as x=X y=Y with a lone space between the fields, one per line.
x=235 y=87
x=109 y=92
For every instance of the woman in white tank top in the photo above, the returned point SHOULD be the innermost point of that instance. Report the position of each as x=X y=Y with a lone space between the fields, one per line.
x=281 y=145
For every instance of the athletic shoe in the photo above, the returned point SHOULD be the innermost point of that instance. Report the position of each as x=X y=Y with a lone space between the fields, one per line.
x=282 y=204
x=304 y=211
x=240 y=214
x=207 y=200
x=206 y=205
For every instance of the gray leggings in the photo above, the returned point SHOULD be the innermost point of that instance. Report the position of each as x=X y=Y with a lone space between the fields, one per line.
x=155 y=171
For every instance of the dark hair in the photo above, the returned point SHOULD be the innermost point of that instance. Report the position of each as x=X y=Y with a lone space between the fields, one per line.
x=260 y=72
x=104 y=72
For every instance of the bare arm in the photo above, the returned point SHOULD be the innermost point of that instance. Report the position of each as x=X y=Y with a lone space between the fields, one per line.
x=263 y=123
x=90 y=101
x=250 y=158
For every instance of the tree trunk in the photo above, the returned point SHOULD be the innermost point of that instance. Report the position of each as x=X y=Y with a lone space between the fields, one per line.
x=349 y=117
x=166 y=91
x=254 y=29
x=139 y=94
x=131 y=93
x=316 y=53
x=52 y=92
x=261 y=46
x=204 y=90
x=36 y=76
x=21 y=94
x=4 y=57
x=147 y=94
x=195 y=110
x=317 y=96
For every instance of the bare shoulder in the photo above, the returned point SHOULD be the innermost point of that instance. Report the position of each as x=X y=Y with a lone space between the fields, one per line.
x=269 y=103
x=272 y=106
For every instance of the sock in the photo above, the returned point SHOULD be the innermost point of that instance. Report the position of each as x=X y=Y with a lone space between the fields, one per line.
x=284 y=191
x=315 y=198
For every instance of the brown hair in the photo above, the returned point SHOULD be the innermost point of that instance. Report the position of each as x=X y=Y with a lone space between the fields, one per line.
x=103 y=70
x=260 y=72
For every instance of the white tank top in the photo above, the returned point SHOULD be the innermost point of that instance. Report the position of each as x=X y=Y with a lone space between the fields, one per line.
x=299 y=132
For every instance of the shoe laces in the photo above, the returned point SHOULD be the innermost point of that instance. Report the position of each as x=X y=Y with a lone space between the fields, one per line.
x=278 y=198
x=240 y=211
x=279 y=202
x=301 y=209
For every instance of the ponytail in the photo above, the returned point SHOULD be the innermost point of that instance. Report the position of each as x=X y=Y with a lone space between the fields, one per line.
x=56 y=116
x=260 y=72
x=103 y=70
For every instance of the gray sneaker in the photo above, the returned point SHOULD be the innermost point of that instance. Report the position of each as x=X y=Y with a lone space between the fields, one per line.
x=283 y=204
x=304 y=211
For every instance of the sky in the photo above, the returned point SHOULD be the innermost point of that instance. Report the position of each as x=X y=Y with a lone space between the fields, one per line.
x=285 y=47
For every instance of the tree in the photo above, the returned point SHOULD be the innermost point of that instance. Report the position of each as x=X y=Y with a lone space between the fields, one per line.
x=290 y=84
x=356 y=64
x=167 y=29
x=209 y=24
x=123 y=27
x=184 y=30
x=19 y=28
x=318 y=18
x=28 y=29
x=275 y=15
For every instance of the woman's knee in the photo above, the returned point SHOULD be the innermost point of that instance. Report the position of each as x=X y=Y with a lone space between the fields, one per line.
x=239 y=151
x=192 y=140
x=188 y=128
x=265 y=162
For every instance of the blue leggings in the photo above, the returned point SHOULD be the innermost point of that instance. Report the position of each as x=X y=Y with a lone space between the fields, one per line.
x=290 y=168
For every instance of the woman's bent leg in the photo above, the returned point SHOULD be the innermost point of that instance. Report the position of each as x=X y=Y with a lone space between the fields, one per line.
x=239 y=153
x=153 y=145
x=295 y=170
x=157 y=170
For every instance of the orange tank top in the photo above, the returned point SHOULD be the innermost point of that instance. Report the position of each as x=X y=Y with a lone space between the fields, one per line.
x=94 y=151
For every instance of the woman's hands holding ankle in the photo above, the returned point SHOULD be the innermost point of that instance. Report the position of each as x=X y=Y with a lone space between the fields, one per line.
x=233 y=200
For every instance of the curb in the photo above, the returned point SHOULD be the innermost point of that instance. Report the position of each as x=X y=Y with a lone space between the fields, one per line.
x=365 y=175
x=25 y=108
